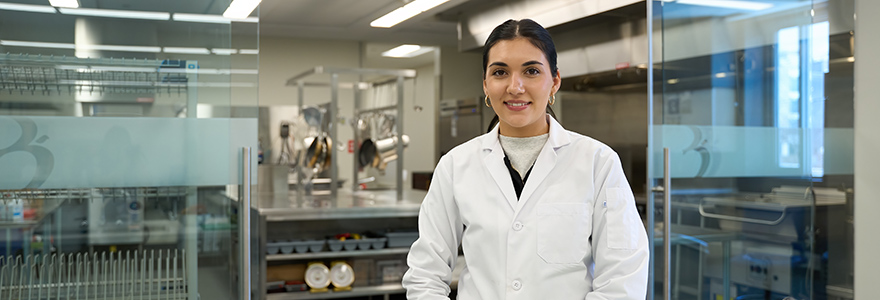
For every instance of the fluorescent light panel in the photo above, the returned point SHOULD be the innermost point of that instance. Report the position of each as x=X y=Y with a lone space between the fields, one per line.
x=240 y=9
x=405 y=12
x=221 y=51
x=186 y=50
x=120 y=48
x=211 y=18
x=27 y=7
x=64 y=3
x=406 y=50
x=112 y=13
x=37 y=44
x=183 y=50
x=734 y=4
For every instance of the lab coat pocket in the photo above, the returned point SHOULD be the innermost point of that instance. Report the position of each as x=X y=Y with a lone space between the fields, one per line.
x=619 y=219
x=563 y=232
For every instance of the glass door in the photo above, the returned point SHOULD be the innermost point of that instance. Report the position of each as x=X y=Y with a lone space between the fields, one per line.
x=122 y=129
x=739 y=152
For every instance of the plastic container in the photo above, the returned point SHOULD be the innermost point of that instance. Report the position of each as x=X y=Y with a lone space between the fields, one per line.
x=378 y=243
x=401 y=239
x=350 y=245
x=272 y=247
x=316 y=245
x=334 y=245
x=305 y=246
x=364 y=243
x=287 y=247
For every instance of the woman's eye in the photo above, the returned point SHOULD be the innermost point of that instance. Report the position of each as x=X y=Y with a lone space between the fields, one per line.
x=498 y=72
x=533 y=71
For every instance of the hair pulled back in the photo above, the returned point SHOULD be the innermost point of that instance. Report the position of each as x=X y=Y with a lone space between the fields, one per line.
x=531 y=31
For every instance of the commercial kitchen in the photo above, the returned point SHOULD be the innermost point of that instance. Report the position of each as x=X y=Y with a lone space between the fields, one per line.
x=279 y=149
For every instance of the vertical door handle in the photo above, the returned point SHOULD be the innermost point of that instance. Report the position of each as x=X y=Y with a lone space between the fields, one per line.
x=667 y=232
x=244 y=226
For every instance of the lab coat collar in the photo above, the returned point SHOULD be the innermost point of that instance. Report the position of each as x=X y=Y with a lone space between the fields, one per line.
x=545 y=162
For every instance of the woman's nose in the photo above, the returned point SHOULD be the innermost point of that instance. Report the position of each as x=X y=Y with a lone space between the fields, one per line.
x=515 y=86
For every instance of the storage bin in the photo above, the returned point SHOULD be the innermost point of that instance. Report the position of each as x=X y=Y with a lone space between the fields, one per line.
x=364 y=243
x=334 y=245
x=272 y=247
x=350 y=245
x=401 y=239
x=378 y=243
x=316 y=245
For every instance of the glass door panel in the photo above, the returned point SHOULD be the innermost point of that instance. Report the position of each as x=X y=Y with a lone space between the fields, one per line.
x=739 y=102
x=122 y=127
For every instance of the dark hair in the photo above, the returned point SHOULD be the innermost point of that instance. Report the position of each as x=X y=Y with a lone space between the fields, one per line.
x=534 y=33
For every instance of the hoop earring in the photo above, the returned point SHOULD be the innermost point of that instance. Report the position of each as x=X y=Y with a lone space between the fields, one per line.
x=487 y=101
x=552 y=99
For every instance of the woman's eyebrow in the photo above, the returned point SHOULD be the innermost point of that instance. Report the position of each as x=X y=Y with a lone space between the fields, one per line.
x=498 y=63
x=532 y=62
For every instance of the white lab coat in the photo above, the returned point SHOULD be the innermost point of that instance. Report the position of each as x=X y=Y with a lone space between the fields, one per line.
x=574 y=233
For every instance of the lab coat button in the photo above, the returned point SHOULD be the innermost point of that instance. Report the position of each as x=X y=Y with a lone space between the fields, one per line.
x=517 y=285
x=517 y=226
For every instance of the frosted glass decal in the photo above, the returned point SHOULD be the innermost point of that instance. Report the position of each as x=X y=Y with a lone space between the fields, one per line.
x=72 y=152
x=731 y=151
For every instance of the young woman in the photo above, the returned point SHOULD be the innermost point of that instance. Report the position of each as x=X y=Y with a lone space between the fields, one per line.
x=540 y=212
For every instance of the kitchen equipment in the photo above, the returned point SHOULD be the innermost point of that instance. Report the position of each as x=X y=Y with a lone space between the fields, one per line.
x=341 y=276
x=317 y=277
x=115 y=217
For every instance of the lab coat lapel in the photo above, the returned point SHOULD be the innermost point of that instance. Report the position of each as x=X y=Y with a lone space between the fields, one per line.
x=546 y=160
x=494 y=162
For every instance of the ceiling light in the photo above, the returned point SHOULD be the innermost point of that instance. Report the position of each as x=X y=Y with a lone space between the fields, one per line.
x=120 y=48
x=113 y=13
x=64 y=3
x=221 y=51
x=405 y=12
x=735 y=4
x=27 y=7
x=240 y=9
x=404 y=51
x=210 y=18
x=248 y=51
x=37 y=44
x=401 y=51
x=186 y=50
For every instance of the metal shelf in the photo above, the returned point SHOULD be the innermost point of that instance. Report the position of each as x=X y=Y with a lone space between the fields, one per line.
x=318 y=255
x=360 y=291
x=346 y=205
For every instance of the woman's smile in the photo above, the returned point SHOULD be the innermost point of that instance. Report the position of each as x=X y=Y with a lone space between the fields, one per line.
x=517 y=105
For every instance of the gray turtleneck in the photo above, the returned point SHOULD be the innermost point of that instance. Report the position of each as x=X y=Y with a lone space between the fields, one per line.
x=522 y=151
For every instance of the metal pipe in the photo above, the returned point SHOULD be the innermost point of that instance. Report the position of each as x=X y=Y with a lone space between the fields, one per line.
x=357 y=138
x=399 y=138
x=667 y=233
x=300 y=181
x=334 y=142
x=244 y=227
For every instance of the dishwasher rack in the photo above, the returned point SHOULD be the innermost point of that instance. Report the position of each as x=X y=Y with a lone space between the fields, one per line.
x=46 y=75
x=149 y=274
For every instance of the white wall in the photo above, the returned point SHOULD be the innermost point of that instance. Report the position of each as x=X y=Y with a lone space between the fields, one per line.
x=867 y=145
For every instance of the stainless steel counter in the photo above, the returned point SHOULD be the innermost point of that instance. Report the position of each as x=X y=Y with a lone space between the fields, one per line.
x=346 y=205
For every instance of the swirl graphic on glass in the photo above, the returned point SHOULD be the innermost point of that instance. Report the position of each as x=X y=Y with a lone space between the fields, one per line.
x=44 y=158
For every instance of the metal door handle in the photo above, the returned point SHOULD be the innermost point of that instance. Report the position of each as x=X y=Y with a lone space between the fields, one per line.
x=741 y=219
x=667 y=232
x=244 y=226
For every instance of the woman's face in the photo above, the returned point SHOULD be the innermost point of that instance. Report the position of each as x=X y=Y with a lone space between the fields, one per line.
x=519 y=83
